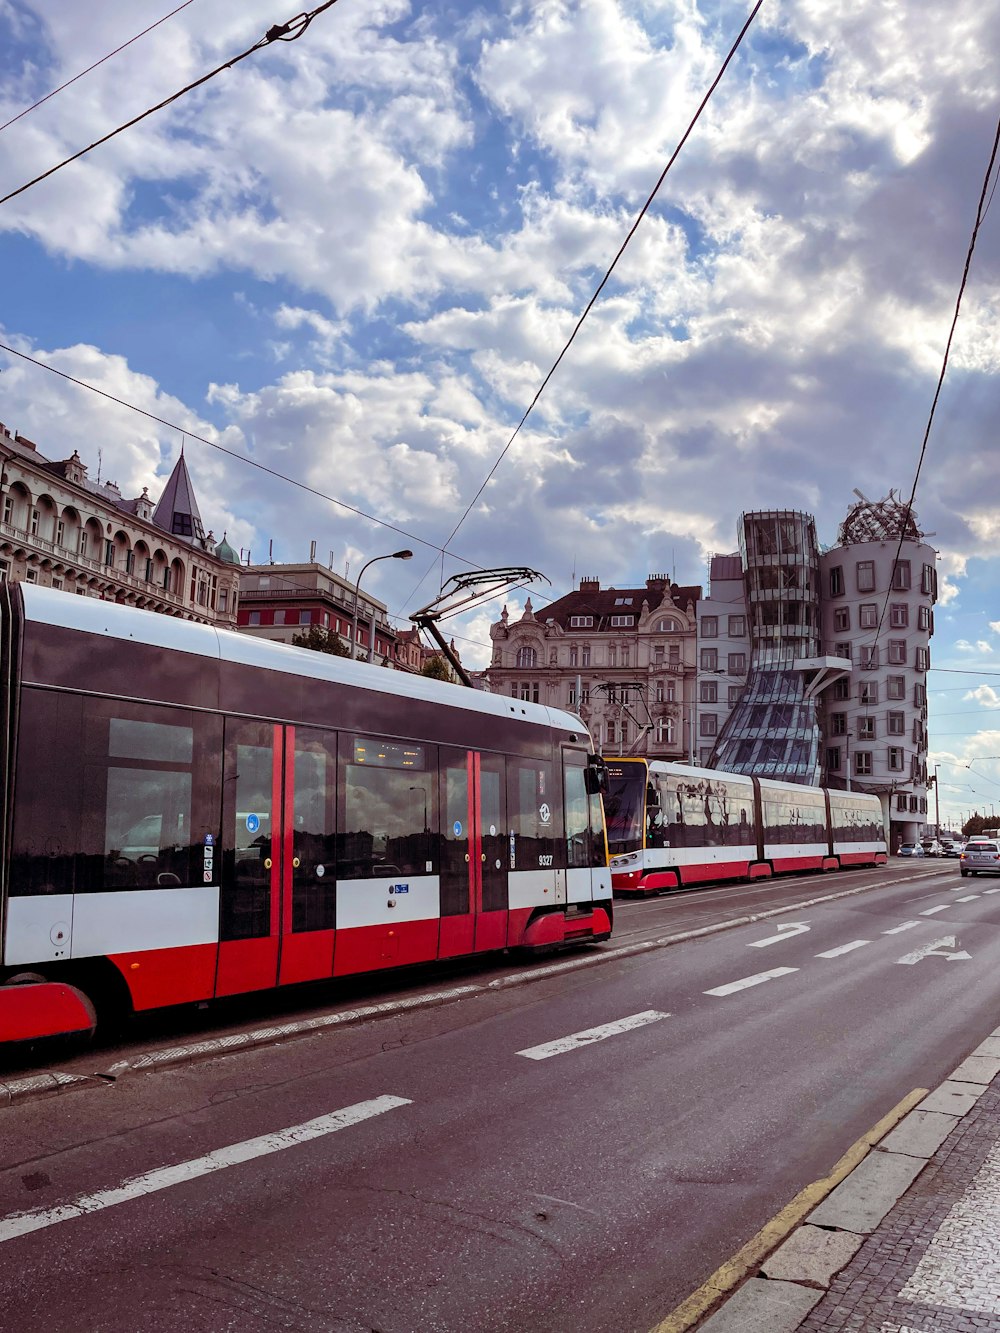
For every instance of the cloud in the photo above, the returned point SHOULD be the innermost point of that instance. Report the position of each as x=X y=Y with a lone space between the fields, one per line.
x=984 y=695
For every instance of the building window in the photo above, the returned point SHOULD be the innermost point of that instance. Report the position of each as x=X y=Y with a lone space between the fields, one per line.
x=109 y=553
x=224 y=601
x=710 y=627
x=833 y=759
x=253 y=618
x=868 y=692
x=734 y=695
x=658 y=692
x=8 y=510
x=899 y=615
x=919 y=696
x=31 y=575
x=869 y=656
x=837 y=581
x=623 y=601
x=843 y=650
x=674 y=654
x=923 y=617
x=624 y=654
x=923 y=659
x=572 y=696
x=4 y=570
x=897 y=652
x=618 y=622
x=665 y=731
x=842 y=619
x=901 y=576
x=574 y=654
x=709 y=692
x=737 y=664
x=866 y=575
x=581 y=622
x=612 y=655
x=513 y=691
x=671 y=692
x=737 y=627
x=623 y=729
x=866 y=728
x=862 y=763
x=927 y=580
x=584 y=694
x=895 y=759
x=57 y=583
x=838 y=724
x=895 y=687
x=708 y=724
x=842 y=688
x=897 y=724
x=709 y=659
x=60 y=531
x=585 y=654
x=612 y=733
x=34 y=522
x=868 y=615
x=526 y=657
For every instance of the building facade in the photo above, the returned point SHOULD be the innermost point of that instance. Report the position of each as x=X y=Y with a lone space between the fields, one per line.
x=61 y=530
x=280 y=601
x=623 y=658
x=723 y=651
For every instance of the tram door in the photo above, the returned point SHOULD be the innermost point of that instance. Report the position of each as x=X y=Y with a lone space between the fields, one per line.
x=473 y=846
x=278 y=883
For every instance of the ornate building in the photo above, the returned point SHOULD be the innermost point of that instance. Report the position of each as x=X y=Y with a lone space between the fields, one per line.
x=62 y=530
x=623 y=658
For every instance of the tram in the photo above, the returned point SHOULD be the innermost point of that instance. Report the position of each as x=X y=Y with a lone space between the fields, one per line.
x=671 y=826
x=192 y=813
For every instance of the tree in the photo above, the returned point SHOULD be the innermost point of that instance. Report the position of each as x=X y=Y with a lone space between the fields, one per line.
x=437 y=668
x=320 y=640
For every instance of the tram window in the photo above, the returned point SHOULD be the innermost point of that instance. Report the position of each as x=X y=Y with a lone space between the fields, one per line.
x=584 y=832
x=47 y=808
x=532 y=811
x=314 y=843
x=389 y=811
x=706 y=813
x=794 y=820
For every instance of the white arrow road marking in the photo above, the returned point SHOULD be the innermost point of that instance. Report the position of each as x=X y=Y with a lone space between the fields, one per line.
x=788 y=931
x=936 y=949
x=931 y=910
x=20 y=1224
x=897 y=930
x=843 y=948
x=734 y=986
x=968 y=898
x=591 y=1035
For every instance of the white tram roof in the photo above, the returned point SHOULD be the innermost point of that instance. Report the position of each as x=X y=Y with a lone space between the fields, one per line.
x=694 y=774
x=51 y=606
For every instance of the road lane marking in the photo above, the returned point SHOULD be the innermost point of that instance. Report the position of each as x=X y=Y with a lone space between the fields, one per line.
x=931 y=910
x=591 y=1035
x=730 y=1274
x=936 y=949
x=991 y=890
x=968 y=898
x=731 y=987
x=896 y=930
x=843 y=948
x=21 y=1224
x=788 y=932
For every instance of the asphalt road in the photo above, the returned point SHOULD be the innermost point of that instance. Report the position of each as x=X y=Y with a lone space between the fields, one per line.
x=479 y=1164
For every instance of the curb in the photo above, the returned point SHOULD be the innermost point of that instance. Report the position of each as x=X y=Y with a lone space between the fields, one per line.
x=45 y=1084
x=788 y=1266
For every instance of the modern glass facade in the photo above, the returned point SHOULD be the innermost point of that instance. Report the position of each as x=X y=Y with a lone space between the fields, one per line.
x=774 y=729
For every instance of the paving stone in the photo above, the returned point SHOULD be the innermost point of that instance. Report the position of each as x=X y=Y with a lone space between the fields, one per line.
x=860 y=1202
x=763 y=1307
x=976 y=1069
x=920 y=1134
x=991 y=1046
x=811 y=1255
x=951 y=1098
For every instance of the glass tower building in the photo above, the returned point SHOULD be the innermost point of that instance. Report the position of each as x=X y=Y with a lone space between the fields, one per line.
x=774 y=730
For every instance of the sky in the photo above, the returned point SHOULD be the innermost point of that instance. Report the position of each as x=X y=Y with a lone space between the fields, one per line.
x=353 y=258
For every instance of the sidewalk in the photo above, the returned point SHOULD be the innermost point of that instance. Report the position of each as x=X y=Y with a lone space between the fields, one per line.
x=910 y=1241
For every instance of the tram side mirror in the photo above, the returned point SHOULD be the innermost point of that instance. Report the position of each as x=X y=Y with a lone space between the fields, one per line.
x=596 y=776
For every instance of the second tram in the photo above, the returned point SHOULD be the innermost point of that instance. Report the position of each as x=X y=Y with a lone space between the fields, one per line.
x=671 y=826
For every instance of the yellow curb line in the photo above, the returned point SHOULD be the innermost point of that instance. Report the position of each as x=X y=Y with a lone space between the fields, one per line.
x=734 y=1270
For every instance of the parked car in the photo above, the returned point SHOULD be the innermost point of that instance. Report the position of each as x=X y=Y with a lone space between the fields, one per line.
x=931 y=846
x=910 y=849
x=980 y=857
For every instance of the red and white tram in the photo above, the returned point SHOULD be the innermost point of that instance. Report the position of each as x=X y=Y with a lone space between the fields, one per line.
x=192 y=813
x=671 y=826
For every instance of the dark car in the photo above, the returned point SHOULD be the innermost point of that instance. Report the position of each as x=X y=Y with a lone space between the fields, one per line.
x=980 y=857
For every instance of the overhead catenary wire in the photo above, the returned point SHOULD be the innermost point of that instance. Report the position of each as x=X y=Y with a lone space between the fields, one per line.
x=35 y=105
x=279 y=32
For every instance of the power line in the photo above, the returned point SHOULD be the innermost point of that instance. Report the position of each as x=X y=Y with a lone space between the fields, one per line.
x=280 y=32
x=35 y=105
x=601 y=285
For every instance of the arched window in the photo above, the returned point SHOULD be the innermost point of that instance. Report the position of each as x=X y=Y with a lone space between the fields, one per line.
x=527 y=657
x=668 y=625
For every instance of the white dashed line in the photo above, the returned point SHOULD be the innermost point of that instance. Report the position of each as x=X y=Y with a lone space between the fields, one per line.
x=991 y=891
x=843 y=948
x=731 y=987
x=968 y=898
x=587 y=1038
x=931 y=910
x=897 y=930
x=20 y=1224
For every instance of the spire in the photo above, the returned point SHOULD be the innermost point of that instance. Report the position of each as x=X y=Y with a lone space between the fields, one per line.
x=177 y=511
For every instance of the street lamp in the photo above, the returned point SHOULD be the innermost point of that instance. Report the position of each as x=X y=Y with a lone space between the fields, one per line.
x=394 y=555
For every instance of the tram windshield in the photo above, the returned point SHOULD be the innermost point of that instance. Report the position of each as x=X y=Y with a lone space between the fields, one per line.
x=624 y=807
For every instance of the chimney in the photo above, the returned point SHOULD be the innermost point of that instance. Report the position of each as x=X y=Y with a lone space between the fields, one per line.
x=590 y=585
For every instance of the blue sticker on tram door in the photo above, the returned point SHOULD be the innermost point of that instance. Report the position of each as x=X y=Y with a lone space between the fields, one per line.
x=457 y=826
x=253 y=823
x=209 y=840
